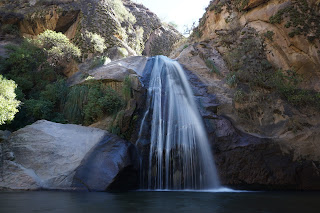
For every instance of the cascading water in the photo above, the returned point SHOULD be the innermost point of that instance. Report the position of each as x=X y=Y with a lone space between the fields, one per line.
x=180 y=155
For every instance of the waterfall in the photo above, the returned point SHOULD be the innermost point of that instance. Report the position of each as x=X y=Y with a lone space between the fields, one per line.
x=179 y=153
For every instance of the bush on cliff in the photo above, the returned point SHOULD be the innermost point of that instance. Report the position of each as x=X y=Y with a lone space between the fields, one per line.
x=8 y=101
x=87 y=103
x=57 y=46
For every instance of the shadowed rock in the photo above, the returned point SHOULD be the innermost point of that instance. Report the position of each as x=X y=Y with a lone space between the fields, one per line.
x=110 y=165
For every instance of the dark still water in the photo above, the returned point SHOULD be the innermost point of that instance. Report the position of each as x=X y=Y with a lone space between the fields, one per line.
x=198 y=202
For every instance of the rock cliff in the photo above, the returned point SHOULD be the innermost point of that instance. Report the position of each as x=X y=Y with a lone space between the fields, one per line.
x=124 y=27
x=260 y=59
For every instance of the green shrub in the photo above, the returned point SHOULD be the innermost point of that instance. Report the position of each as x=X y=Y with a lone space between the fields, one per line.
x=241 y=4
x=39 y=109
x=269 y=35
x=73 y=108
x=95 y=41
x=231 y=79
x=57 y=46
x=8 y=101
x=239 y=96
x=10 y=29
x=121 y=12
x=302 y=19
x=87 y=103
x=99 y=61
x=126 y=88
x=287 y=84
x=56 y=93
x=211 y=65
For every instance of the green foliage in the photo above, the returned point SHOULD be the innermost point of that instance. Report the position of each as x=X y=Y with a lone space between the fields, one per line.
x=99 y=61
x=287 y=84
x=95 y=41
x=136 y=41
x=241 y=4
x=126 y=88
x=123 y=52
x=121 y=12
x=8 y=101
x=239 y=96
x=100 y=102
x=231 y=79
x=248 y=63
x=87 y=103
x=57 y=46
x=217 y=8
x=39 y=109
x=28 y=67
x=73 y=108
x=10 y=29
x=269 y=35
x=302 y=19
x=56 y=93
x=211 y=65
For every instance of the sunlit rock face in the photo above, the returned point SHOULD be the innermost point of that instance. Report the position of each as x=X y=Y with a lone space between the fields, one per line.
x=274 y=146
x=290 y=29
x=47 y=155
x=173 y=133
x=159 y=38
x=125 y=26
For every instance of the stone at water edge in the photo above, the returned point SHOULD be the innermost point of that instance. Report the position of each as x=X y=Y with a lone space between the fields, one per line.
x=111 y=165
x=46 y=155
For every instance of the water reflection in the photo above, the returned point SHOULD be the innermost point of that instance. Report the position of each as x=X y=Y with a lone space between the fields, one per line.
x=268 y=202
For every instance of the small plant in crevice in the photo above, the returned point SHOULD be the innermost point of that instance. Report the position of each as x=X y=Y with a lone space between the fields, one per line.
x=211 y=65
x=269 y=35
x=126 y=88
x=239 y=96
x=99 y=61
x=231 y=79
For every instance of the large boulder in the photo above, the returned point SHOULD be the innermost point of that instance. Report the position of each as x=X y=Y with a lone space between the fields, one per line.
x=99 y=170
x=46 y=155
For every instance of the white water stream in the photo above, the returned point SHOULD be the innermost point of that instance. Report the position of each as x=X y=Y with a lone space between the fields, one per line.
x=180 y=156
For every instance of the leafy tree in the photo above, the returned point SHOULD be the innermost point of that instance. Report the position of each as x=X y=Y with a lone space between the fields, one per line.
x=8 y=102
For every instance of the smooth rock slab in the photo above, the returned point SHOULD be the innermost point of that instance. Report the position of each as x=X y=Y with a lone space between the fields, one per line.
x=45 y=155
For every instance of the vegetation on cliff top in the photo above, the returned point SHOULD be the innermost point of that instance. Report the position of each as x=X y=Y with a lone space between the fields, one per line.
x=300 y=18
x=35 y=65
x=254 y=77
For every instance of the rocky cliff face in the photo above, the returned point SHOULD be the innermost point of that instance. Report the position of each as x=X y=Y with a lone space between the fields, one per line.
x=124 y=27
x=266 y=132
x=291 y=31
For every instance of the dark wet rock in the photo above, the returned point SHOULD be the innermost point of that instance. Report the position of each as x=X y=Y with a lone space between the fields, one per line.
x=110 y=165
